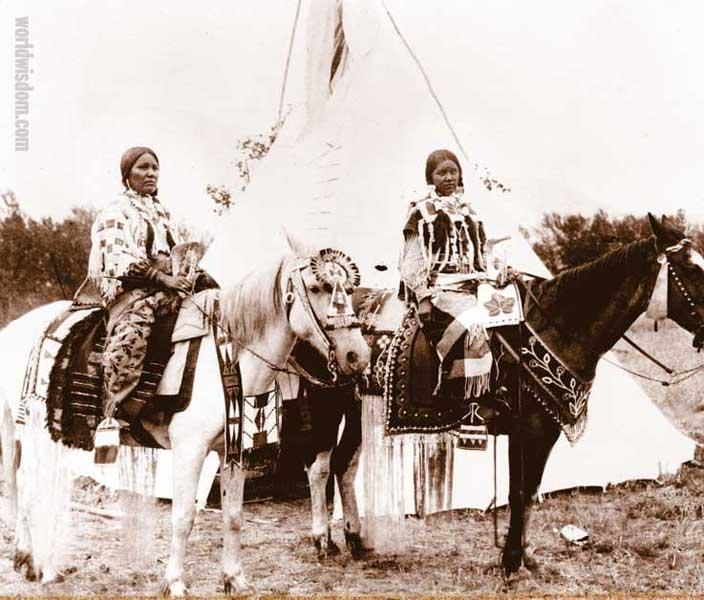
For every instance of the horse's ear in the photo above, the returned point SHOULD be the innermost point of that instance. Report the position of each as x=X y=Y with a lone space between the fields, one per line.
x=665 y=231
x=655 y=224
x=297 y=246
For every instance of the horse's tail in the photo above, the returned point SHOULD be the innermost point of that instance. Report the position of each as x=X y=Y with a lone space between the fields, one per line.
x=46 y=482
x=10 y=448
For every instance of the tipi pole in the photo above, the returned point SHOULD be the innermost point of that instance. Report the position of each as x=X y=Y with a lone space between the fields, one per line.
x=288 y=59
x=427 y=82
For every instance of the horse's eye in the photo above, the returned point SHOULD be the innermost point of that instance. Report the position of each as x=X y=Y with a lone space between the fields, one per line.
x=314 y=289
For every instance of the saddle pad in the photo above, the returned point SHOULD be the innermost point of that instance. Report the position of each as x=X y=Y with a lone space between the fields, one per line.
x=194 y=316
x=170 y=383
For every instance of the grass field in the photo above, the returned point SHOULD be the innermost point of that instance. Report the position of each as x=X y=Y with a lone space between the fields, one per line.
x=644 y=536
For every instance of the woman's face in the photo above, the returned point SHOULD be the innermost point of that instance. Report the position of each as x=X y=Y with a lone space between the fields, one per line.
x=144 y=175
x=446 y=176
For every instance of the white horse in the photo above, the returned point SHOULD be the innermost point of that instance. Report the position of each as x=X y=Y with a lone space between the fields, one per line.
x=267 y=312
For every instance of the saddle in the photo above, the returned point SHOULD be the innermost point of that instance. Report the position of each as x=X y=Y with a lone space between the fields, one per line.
x=423 y=395
x=65 y=370
x=404 y=370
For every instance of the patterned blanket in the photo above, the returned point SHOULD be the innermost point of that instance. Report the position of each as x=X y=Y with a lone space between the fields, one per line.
x=64 y=369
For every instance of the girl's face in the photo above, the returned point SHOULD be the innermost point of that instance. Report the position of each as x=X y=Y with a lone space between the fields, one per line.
x=446 y=177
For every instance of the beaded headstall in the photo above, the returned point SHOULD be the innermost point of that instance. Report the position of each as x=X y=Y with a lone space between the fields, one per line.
x=339 y=276
x=657 y=307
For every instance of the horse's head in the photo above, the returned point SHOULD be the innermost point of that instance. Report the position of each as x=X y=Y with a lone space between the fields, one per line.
x=685 y=265
x=318 y=300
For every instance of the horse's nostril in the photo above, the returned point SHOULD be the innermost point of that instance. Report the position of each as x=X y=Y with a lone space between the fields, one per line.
x=352 y=357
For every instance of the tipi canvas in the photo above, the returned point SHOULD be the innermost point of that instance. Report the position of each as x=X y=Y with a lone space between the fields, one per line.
x=348 y=159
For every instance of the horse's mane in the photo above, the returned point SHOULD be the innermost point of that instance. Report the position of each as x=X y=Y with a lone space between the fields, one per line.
x=569 y=285
x=253 y=302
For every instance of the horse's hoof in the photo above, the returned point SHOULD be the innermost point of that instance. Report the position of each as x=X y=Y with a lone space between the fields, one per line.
x=511 y=560
x=321 y=552
x=530 y=561
x=333 y=548
x=52 y=576
x=236 y=585
x=325 y=547
x=173 y=589
x=24 y=559
x=355 y=545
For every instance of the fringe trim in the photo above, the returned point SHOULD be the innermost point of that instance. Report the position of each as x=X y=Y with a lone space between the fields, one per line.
x=476 y=386
x=573 y=432
x=426 y=440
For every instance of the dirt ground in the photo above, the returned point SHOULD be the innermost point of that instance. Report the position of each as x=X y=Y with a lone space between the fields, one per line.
x=644 y=536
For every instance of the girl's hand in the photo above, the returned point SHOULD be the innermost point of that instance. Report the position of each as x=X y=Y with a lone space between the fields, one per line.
x=425 y=308
x=178 y=283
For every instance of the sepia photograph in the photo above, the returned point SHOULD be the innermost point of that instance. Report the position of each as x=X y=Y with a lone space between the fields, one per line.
x=383 y=298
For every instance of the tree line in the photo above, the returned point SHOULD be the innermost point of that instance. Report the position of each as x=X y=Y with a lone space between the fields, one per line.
x=46 y=260
x=564 y=241
x=41 y=260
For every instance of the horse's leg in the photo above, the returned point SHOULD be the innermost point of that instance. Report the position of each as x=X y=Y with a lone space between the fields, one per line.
x=345 y=460
x=528 y=455
x=187 y=464
x=232 y=480
x=23 y=558
x=318 y=474
x=10 y=459
x=18 y=516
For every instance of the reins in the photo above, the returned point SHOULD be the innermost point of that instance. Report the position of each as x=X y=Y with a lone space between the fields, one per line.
x=678 y=376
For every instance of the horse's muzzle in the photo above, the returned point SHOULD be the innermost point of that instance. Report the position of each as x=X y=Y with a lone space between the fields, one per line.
x=355 y=363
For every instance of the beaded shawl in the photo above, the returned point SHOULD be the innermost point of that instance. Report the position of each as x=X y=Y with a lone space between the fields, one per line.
x=130 y=230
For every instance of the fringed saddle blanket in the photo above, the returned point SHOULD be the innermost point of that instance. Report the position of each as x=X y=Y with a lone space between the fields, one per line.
x=64 y=369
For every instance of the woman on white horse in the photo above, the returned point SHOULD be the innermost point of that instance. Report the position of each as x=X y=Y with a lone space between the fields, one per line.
x=130 y=262
x=442 y=262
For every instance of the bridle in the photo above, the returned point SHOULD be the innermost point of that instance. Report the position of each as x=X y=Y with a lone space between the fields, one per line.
x=681 y=284
x=340 y=314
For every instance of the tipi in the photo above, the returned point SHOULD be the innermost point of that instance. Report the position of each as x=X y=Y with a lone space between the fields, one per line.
x=363 y=118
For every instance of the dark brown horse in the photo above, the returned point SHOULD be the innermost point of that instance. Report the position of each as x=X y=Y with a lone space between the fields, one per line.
x=580 y=314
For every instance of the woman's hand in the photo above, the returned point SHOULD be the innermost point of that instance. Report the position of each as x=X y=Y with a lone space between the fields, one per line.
x=178 y=283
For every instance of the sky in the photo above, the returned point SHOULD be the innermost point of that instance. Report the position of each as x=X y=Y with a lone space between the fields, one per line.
x=574 y=105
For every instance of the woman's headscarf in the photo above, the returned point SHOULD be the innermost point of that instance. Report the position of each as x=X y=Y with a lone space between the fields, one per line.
x=130 y=157
x=437 y=157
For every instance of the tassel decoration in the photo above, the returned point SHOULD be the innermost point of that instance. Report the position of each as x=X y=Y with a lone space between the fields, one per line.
x=107 y=441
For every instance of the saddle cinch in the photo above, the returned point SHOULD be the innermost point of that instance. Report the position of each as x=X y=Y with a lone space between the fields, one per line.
x=64 y=369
